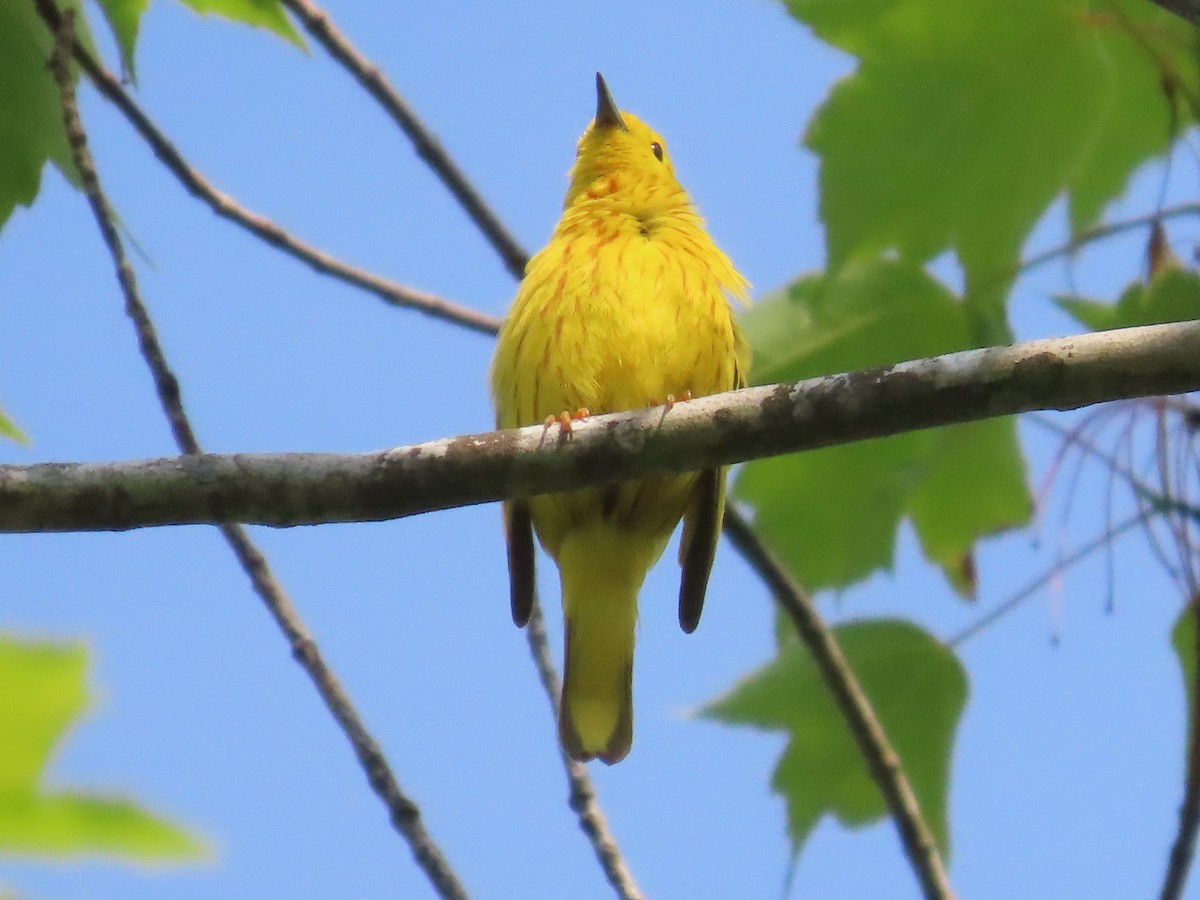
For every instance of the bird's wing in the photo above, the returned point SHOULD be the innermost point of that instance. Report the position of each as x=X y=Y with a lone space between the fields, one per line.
x=518 y=534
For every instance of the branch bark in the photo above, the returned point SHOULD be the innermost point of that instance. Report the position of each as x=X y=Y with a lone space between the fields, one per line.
x=310 y=488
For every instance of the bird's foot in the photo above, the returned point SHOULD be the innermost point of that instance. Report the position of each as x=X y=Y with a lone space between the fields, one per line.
x=565 y=419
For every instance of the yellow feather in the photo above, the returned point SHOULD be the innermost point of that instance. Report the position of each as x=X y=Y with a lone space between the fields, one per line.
x=626 y=306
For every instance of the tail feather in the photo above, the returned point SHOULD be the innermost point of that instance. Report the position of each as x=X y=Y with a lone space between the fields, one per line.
x=596 y=717
x=601 y=578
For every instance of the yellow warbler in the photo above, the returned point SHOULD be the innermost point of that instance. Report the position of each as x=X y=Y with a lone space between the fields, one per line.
x=627 y=306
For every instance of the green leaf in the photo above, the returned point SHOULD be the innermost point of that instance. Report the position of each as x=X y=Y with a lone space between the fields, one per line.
x=31 y=126
x=956 y=135
x=124 y=18
x=1183 y=639
x=77 y=824
x=1172 y=295
x=954 y=502
x=918 y=689
x=832 y=514
x=9 y=429
x=42 y=692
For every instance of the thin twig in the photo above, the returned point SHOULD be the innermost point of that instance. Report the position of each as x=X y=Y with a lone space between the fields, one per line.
x=582 y=797
x=1104 y=231
x=1184 y=848
x=225 y=206
x=882 y=760
x=1156 y=502
x=1077 y=555
x=321 y=27
x=405 y=815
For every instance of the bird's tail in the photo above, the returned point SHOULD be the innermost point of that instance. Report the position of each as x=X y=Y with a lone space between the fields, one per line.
x=602 y=571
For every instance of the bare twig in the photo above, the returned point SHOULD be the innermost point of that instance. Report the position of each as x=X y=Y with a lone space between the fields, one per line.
x=225 y=206
x=882 y=759
x=1184 y=848
x=582 y=798
x=319 y=25
x=1104 y=231
x=308 y=488
x=1077 y=555
x=1153 y=502
x=405 y=814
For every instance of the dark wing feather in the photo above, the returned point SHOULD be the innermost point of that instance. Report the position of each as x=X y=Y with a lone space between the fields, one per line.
x=703 y=517
x=518 y=533
x=701 y=527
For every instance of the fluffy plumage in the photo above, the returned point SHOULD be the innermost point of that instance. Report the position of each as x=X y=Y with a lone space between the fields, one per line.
x=627 y=306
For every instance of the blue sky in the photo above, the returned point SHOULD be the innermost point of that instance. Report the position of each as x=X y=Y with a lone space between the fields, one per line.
x=1067 y=769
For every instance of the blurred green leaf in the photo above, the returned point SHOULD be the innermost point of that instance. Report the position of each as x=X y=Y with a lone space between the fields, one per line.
x=9 y=429
x=1172 y=295
x=31 y=126
x=832 y=514
x=1183 y=640
x=918 y=689
x=42 y=693
x=964 y=121
x=124 y=18
x=75 y=824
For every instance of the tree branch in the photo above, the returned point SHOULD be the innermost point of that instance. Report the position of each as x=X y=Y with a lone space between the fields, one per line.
x=881 y=757
x=223 y=205
x=405 y=815
x=311 y=488
x=321 y=27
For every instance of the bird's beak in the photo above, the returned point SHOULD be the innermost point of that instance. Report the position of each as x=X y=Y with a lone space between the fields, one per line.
x=607 y=114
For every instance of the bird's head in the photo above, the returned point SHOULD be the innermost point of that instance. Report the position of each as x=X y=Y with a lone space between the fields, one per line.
x=621 y=158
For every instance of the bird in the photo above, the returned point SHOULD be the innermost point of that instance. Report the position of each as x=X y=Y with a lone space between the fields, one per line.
x=628 y=306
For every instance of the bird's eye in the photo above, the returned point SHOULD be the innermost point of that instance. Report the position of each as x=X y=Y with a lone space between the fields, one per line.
x=656 y=149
